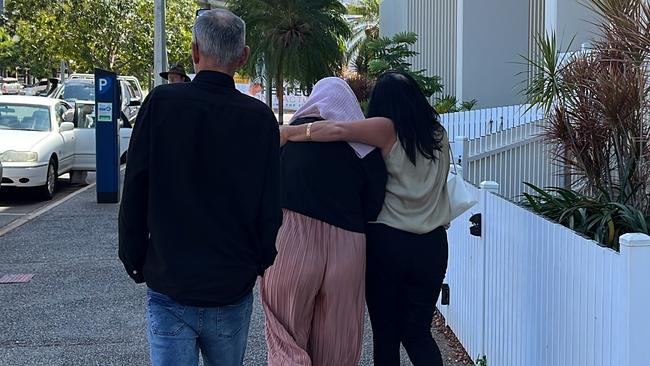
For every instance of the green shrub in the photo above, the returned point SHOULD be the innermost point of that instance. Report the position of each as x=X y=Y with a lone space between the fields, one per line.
x=449 y=104
x=392 y=53
x=600 y=218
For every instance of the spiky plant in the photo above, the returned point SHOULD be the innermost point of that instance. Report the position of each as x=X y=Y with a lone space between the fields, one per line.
x=365 y=26
x=597 y=103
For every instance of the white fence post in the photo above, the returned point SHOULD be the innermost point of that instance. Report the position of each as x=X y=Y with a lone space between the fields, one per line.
x=459 y=149
x=635 y=250
x=487 y=188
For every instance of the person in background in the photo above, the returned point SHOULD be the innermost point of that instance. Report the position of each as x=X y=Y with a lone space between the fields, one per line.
x=407 y=245
x=176 y=74
x=313 y=296
x=201 y=235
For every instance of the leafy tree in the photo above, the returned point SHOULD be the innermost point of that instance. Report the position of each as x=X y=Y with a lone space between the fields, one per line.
x=299 y=41
x=111 y=34
x=391 y=53
x=364 y=27
x=33 y=45
x=179 y=31
x=7 y=49
x=33 y=29
x=377 y=56
x=361 y=62
x=23 y=10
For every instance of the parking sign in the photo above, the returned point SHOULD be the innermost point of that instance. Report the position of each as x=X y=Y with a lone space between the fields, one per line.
x=107 y=109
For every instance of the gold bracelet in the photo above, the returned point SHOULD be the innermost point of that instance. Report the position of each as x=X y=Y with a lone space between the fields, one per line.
x=308 y=131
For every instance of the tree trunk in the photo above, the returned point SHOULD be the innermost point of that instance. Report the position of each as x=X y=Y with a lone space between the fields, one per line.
x=279 y=90
x=269 y=88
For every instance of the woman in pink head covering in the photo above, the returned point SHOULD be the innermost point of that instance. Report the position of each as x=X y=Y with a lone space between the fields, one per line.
x=314 y=294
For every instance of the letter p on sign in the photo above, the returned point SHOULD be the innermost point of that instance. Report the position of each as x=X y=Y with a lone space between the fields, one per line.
x=103 y=83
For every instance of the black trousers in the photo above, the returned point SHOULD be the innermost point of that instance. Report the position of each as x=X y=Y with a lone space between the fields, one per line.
x=403 y=279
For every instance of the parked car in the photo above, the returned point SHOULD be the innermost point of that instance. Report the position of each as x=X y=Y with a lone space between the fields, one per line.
x=43 y=138
x=82 y=87
x=10 y=86
x=36 y=144
x=39 y=89
x=85 y=147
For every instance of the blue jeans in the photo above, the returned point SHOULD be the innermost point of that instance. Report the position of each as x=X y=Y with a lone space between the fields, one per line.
x=177 y=332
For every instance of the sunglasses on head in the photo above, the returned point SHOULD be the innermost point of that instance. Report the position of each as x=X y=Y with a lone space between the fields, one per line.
x=201 y=12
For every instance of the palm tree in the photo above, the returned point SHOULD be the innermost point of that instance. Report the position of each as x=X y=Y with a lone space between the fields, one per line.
x=299 y=41
x=365 y=25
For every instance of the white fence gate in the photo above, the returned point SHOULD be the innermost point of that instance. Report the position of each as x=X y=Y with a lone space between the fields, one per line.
x=503 y=144
x=531 y=292
x=483 y=122
x=513 y=156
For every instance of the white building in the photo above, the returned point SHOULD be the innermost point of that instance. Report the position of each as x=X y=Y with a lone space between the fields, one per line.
x=476 y=46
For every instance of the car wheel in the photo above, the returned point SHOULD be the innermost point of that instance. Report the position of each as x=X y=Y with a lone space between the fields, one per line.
x=49 y=188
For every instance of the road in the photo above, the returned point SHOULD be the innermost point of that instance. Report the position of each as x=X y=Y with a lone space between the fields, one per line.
x=17 y=203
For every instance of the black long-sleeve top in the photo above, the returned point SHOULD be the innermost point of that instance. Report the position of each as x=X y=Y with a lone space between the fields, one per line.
x=327 y=181
x=201 y=201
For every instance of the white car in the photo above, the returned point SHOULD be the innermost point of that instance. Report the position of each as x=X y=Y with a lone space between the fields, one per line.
x=81 y=87
x=10 y=86
x=85 y=145
x=39 y=142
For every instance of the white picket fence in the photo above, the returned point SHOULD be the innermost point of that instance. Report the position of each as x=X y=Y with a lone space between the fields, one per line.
x=531 y=292
x=513 y=156
x=482 y=122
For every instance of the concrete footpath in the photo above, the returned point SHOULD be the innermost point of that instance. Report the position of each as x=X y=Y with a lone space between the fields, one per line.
x=81 y=308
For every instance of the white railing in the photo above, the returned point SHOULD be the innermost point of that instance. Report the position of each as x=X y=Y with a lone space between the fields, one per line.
x=482 y=122
x=512 y=156
x=531 y=292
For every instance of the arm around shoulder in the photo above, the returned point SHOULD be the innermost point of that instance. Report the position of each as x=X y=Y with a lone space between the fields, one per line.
x=376 y=131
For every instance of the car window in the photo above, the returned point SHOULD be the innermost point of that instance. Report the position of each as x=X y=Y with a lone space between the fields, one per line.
x=25 y=117
x=131 y=91
x=75 y=90
x=85 y=115
x=59 y=110
x=134 y=90
x=126 y=95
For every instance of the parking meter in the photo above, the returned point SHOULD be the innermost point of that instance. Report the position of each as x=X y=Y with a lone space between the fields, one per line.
x=107 y=136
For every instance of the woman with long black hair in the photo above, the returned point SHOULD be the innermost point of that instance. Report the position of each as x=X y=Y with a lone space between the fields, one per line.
x=407 y=244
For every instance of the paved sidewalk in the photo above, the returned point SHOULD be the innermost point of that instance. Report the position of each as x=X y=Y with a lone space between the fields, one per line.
x=81 y=308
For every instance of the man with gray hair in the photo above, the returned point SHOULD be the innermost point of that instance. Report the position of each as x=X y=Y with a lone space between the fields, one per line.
x=201 y=204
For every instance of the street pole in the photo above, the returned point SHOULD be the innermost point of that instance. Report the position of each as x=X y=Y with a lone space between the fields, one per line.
x=159 y=41
x=62 y=72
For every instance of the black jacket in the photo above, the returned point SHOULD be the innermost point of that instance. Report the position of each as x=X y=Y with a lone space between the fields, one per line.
x=328 y=182
x=201 y=203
